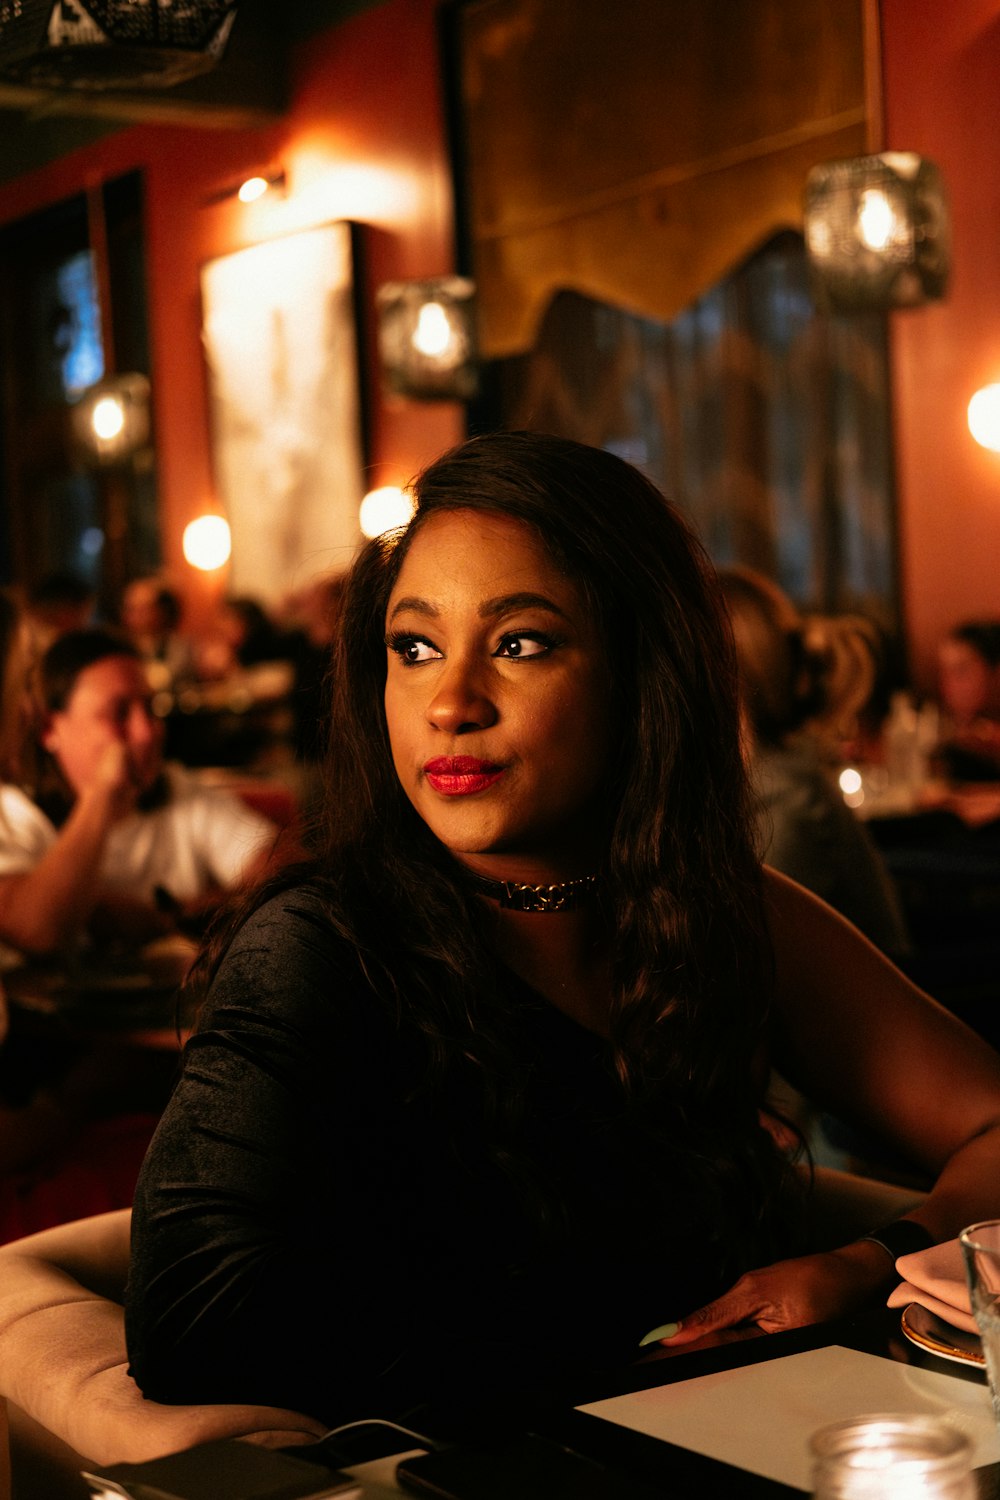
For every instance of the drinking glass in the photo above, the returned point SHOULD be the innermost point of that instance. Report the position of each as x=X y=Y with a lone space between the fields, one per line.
x=892 y=1456
x=981 y=1251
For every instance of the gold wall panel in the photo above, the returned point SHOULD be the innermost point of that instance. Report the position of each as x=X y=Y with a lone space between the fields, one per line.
x=636 y=153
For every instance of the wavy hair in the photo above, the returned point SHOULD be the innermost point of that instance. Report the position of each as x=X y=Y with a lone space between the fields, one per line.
x=682 y=880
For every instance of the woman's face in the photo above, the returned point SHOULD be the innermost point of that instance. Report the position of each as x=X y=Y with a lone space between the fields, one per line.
x=967 y=683
x=497 y=698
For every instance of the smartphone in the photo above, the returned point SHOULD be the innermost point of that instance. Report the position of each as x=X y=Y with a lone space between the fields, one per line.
x=527 y=1467
x=227 y=1469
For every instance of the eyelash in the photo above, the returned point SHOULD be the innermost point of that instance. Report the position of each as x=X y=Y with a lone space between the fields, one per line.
x=402 y=641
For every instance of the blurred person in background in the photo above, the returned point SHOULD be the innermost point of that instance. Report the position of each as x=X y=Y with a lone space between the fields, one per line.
x=64 y=1153
x=151 y=616
x=15 y=654
x=806 y=829
x=100 y=839
x=245 y=636
x=969 y=692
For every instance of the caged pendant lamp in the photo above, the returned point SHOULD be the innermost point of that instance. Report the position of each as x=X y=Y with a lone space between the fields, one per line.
x=111 y=44
x=877 y=232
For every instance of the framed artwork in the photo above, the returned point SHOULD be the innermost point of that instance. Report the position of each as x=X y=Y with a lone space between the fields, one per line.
x=280 y=333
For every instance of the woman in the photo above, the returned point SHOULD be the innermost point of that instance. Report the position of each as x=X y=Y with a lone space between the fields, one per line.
x=807 y=830
x=474 y=1109
x=969 y=687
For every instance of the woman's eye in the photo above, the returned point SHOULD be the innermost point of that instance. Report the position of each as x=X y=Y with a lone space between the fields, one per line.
x=522 y=645
x=413 y=649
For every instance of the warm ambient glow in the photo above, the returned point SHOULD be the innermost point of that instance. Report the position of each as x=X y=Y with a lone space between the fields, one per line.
x=984 y=417
x=108 y=418
x=385 y=508
x=207 y=543
x=252 y=189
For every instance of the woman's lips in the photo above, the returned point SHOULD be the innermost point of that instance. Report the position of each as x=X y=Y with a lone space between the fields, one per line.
x=461 y=775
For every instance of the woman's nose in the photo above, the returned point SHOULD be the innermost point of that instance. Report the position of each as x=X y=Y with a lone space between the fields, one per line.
x=461 y=702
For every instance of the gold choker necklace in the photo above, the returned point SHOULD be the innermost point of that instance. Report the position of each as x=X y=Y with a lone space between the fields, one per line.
x=515 y=895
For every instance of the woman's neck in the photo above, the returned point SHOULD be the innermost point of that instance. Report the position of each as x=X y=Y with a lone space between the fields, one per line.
x=564 y=956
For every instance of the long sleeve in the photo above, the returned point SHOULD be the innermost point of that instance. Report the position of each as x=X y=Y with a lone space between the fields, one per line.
x=261 y=1248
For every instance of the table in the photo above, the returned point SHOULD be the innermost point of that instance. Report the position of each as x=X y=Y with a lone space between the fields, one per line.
x=639 y=1464
x=130 y=994
x=642 y=1464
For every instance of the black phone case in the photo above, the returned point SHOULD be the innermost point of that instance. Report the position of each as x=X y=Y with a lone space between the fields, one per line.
x=528 y=1467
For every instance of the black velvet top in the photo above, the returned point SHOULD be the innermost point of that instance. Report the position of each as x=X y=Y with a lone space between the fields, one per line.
x=314 y=1231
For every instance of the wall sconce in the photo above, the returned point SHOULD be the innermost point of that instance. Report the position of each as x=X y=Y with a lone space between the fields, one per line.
x=427 y=338
x=877 y=232
x=255 y=187
x=112 y=417
x=249 y=189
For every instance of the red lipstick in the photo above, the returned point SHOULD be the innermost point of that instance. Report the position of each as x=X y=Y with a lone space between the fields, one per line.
x=461 y=775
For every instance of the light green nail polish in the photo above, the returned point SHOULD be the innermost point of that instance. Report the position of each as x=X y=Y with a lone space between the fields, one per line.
x=665 y=1331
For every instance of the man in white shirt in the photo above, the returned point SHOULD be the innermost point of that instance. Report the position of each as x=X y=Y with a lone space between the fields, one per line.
x=109 y=842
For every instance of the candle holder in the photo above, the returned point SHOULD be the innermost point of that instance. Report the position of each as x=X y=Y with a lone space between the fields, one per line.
x=892 y=1456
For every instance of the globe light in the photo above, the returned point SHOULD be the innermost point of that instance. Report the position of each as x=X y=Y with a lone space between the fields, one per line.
x=207 y=543
x=108 y=418
x=984 y=417
x=384 y=509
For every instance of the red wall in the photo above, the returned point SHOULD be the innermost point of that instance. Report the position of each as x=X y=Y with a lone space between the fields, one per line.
x=941 y=64
x=363 y=140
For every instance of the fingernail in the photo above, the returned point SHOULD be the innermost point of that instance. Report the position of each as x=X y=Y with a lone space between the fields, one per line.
x=665 y=1331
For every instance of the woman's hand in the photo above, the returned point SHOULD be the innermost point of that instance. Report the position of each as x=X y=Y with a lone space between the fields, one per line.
x=792 y=1293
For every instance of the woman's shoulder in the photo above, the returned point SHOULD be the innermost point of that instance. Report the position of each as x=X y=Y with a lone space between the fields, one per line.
x=290 y=915
x=291 y=956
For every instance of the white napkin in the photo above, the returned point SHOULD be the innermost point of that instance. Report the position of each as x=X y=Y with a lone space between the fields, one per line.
x=936 y=1279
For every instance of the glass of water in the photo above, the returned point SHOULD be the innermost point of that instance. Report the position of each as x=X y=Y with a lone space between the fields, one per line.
x=981 y=1250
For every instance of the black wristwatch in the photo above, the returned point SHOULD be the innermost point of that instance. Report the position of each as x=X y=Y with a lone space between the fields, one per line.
x=901 y=1237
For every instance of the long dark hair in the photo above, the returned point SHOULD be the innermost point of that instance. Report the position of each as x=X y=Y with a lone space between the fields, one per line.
x=682 y=880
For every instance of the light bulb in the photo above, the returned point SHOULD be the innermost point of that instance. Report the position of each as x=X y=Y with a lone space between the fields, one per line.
x=207 y=543
x=876 y=220
x=108 y=418
x=252 y=189
x=384 y=509
x=433 y=332
x=984 y=417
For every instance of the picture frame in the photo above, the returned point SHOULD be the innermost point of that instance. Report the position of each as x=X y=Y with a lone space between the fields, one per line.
x=281 y=337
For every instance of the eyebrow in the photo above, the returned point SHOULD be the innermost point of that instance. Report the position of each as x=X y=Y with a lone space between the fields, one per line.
x=489 y=609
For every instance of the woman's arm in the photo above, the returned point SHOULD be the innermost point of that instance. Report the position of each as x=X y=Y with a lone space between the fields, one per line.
x=63 y=1360
x=268 y=1263
x=858 y=1038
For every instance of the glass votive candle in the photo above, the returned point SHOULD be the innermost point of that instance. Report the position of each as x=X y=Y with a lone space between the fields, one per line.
x=892 y=1456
